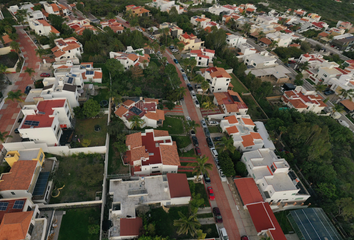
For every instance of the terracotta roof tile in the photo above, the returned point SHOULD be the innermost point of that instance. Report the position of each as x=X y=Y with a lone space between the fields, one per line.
x=160 y=133
x=6 y=39
x=232 y=130
x=347 y=103
x=265 y=41
x=178 y=185
x=297 y=103
x=128 y=102
x=55 y=7
x=169 y=155
x=97 y=74
x=15 y=225
x=134 y=140
x=256 y=135
x=231 y=119
x=248 y=190
x=248 y=121
x=121 y=111
x=151 y=100
x=232 y=108
x=247 y=140
x=138 y=153
x=130 y=226
x=19 y=177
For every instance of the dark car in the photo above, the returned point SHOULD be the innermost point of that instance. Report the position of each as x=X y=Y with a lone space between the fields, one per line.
x=127 y=22
x=190 y=88
x=217 y=138
x=28 y=89
x=175 y=60
x=16 y=131
x=197 y=151
x=45 y=75
x=217 y=215
x=20 y=120
x=192 y=133
x=171 y=47
x=206 y=178
x=210 y=143
x=195 y=141
x=206 y=131
x=328 y=92
x=244 y=237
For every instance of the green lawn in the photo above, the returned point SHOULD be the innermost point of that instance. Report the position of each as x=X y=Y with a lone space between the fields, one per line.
x=174 y=125
x=214 y=129
x=182 y=141
x=115 y=165
x=205 y=215
x=199 y=188
x=85 y=129
x=190 y=153
x=76 y=222
x=238 y=87
x=283 y=221
x=253 y=110
x=80 y=176
x=103 y=94
x=210 y=230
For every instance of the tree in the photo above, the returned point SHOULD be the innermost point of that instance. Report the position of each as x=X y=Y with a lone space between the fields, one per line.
x=327 y=190
x=3 y=70
x=192 y=64
x=228 y=144
x=199 y=79
x=187 y=224
x=3 y=136
x=347 y=94
x=205 y=86
x=180 y=46
x=136 y=122
x=16 y=47
x=345 y=208
x=208 y=105
x=241 y=168
x=193 y=125
x=201 y=166
x=56 y=21
x=200 y=234
x=246 y=28
x=114 y=67
x=226 y=164
x=30 y=72
x=137 y=72
x=40 y=52
x=298 y=79
x=181 y=92
x=94 y=229
x=91 y=108
x=15 y=96
x=320 y=87
x=337 y=108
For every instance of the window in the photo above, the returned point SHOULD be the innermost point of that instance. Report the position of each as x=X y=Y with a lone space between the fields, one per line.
x=30 y=230
x=41 y=157
x=273 y=168
x=154 y=167
x=219 y=89
x=227 y=80
x=55 y=127
x=67 y=113
x=13 y=193
x=325 y=75
x=40 y=31
x=248 y=147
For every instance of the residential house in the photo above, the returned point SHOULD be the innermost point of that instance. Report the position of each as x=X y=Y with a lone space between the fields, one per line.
x=113 y=24
x=282 y=39
x=313 y=16
x=20 y=219
x=80 y=25
x=166 y=6
x=260 y=60
x=261 y=129
x=265 y=19
x=56 y=9
x=241 y=129
x=324 y=74
x=43 y=123
x=6 y=40
x=222 y=10
x=300 y=12
x=319 y=25
x=235 y=40
x=190 y=42
x=345 y=81
x=203 y=56
x=276 y=74
x=228 y=17
x=276 y=182
x=218 y=78
x=42 y=28
x=151 y=152
x=137 y=10
x=231 y=102
x=35 y=15
x=68 y=49
x=344 y=41
x=175 y=31
x=131 y=57
x=77 y=74
x=25 y=154
x=345 y=25
x=22 y=6
x=146 y=110
x=165 y=190
x=204 y=22
x=246 y=49
x=303 y=100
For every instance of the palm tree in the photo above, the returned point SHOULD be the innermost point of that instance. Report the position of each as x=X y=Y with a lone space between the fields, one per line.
x=246 y=28
x=30 y=72
x=198 y=78
x=4 y=135
x=164 y=32
x=181 y=91
x=16 y=47
x=192 y=64
x=208 y=106
x=40 y=52
x=137 y=122
x=337 y=108
x=347 y=93
x=320 y=87
x=187 y=224
x=273 y=44
x=193 y=125
x=162 y=49
x=15 y=96
x=200 y=235
x=3 y=70
x=180 y=46
x=228 y=144
x=201 y=166
x=205 y=86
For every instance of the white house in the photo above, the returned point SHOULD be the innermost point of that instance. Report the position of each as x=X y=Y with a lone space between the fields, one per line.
x=22 y=6
x=204 y=22
x=113 y=24
x=261 y=129
x=165 y=190
x=35 y=15
x=260 y=60
x=67 y=49
x=44 y=123
x=218 y=79
x=234 y=40
x=241 y=129
x=303 y=100
x=79 y=25
x=145 y=109
x=151 y=152
x=276 y=182
x=345 y=82
x=265 y=19
x=20 y=219
x=246 y=49
x=282 y=39
x=131 y=57
x=42 y=27
x=77 y=74
x=166 y=6
x=174 y=32
x=231 y=102
x=56 y=9
x=203 y=56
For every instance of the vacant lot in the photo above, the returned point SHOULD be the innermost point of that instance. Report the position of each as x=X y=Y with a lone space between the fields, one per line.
x=238 y=87
x=9 y=60
x=115 y=165
x=80 y=177
x=85 y=129
x=283 y=221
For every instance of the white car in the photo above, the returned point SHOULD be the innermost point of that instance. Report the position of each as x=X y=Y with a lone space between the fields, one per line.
x=174 y=50
x=214 y=152
x=194 y=97
x=197 y=103
x=343 y=123
x=213 y=123
x=203 y=123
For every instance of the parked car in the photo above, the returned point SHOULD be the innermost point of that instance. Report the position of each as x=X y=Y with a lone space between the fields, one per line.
x=192 y=92
x=16 y=131
x=188 y=118
x=213 y=123
x=244 y=237
x=192 y=133
x=211 y=193
x=194 y=96
x=210 y=143
x=217 y=215
x=203 y=123
x=197 y=151
x=127 y=22
x=185 y=78
x=214 y=152
x=343 y=123
x=28 y=89
x=195 y=141
x=35 y=41
x=171 y=47
x=328 y=92
x=45 y=75
x=197 y=104
x=222 y=176
x=217 y=138
x=223 y=234
x=190 y=88
x=182 y=70
x=206 y=178
x=174 y=50
x=175 y=60
x=206 y=131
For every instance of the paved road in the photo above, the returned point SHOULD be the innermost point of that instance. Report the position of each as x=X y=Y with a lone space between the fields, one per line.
x=10 y=109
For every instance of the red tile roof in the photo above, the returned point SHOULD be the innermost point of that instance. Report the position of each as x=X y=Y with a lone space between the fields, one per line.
x=178 y=185
x=248 y=190
x=231 y=119
x=6 y=39
x=128 y=102
x=265 y=41
x=232 y=130
x=14 y=226
x=248 y=121
x=169 y=155
x=130 y=226
x=19 y=177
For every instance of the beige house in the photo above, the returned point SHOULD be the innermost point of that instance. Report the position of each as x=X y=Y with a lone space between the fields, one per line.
x=190 y=42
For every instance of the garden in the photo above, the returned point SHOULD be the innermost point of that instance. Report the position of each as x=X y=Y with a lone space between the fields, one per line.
x=78 y=178
x=115 y=164
x=80 y=223
x=173 y=124
x=85 y=130
x=9 y=60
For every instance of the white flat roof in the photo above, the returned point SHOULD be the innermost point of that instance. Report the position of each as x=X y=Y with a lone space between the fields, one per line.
x=265 y=136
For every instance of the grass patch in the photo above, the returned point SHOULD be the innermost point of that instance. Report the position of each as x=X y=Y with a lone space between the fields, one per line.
x=214 y=129
x=182 y=141
x=81 y=175
x=310 y=81
x=76 y=223
x=115 y=165
x=103 y=94
x=173 y=125
x=190 y=153
x=210 y=230
x=283 y=221
x=238 y=87
x=205 y=215
x=9 y=60
x=253 y=110
x=199 y=188
x=85 y=129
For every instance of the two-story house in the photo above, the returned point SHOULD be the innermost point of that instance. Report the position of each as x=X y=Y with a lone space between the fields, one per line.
x=174 y=31
x=137 y=11
x=203 y=56
x=231 y=102
x=217 y=78
x=42 y=27
x=113 y=24
x=77 y=74
x=137 y=58
x=276 y=182
x=190 y=42
x=234 y=40
x=68 y=49
x=282 y=39
x=260 y=60
x=151 y=152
